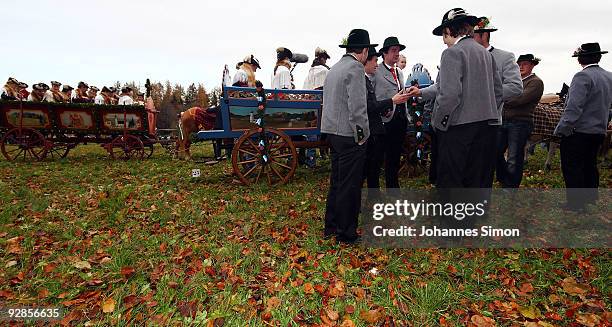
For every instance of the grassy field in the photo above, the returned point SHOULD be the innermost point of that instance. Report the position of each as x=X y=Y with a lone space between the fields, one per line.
x=135 y=243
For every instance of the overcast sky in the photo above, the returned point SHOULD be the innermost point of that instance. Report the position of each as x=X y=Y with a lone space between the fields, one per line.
x=190 y=41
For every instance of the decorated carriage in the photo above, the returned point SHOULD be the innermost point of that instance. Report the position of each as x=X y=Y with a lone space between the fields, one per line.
x=35 y=131
x=266 y=142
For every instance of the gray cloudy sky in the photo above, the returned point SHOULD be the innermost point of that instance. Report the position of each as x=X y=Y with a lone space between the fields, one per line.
x=189 y=41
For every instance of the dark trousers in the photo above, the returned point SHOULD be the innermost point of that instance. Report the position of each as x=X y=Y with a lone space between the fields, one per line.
x=579 y=166
x=344 y=197
x=433 y=157
x=374 y=159
x=395 y=134
x=466 y=155
x=512 y=136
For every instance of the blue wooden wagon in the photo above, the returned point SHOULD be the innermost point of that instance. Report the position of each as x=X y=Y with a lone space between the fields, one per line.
x=266 y=142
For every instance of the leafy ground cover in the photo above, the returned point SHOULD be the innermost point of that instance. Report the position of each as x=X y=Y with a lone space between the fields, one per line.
x=142 y=242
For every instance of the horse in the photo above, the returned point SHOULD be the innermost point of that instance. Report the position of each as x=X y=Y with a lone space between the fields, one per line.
x=193 y=120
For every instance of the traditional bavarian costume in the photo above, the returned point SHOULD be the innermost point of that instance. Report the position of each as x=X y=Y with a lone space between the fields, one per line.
x=282 y=78
x=80 y=94
x=54 y=95
x=104 y=97
x=318 y=71
x=245 y=76
x=10 y=90
x=125 y=99
x=38 y=92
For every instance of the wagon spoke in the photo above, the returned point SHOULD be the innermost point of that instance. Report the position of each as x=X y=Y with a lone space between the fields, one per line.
x=245 y=151
x=251 y=170
x=247 y=161
x=276 y=172
x=282 y=165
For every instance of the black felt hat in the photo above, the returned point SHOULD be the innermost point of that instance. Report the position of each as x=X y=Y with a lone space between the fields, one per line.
x=391 y=41
x=40 y=87
x=588 y=49
x=358 y=39
x=82 y=84
x=283 y=53
x=453 y=16
x=373 y=52
x=528 y=57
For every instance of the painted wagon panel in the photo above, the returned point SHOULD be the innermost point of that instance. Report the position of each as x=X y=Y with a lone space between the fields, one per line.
x=295 y=112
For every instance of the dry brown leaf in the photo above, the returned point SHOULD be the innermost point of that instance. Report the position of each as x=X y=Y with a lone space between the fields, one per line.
x=332 y=315
x=531 y=312
x=526 y=288
x=126 y=272
x=372 y=316
x=588 y=319
x=273 y=302
x=480 y=321
x=81 y=265
x=572 y=287
x=347 y=323
x=308 y=288
x=108 y=305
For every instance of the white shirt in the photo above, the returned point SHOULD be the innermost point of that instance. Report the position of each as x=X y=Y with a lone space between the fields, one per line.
x=125 y=100
x=282 y=78
x=316 y=77
x=240 y=77
x=99 y=99
x=526 y=77
x=587 y=66
x=397 y=81
x=49 y=97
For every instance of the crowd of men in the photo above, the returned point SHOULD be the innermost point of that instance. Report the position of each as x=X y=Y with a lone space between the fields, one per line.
x=41 y=92
x=483 y=102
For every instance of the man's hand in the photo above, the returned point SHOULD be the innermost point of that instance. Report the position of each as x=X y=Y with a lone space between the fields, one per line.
x=400 y=98
x=413 y=91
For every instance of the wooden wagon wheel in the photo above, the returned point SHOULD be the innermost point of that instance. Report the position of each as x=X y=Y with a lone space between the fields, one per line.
x=59 y=150
x=25 y=143
x=275 y=163
x=126 y=147
x=148 y=150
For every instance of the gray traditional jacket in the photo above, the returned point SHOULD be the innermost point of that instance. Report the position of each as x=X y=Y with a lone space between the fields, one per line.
x=345 y=100
x=469 y=87
x=588 y=103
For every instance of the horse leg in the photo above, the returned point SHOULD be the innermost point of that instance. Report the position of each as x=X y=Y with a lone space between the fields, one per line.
x=552 y=147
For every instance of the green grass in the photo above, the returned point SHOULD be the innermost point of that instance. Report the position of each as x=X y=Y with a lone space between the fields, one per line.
x=231 y=252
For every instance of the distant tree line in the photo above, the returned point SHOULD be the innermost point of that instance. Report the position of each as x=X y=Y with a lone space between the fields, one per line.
x=171 y=99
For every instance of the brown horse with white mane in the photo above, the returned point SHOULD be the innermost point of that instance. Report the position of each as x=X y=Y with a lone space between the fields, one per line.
x=190 y=121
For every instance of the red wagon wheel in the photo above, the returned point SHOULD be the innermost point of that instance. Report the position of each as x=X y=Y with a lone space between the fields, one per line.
x=25 y=143
x=274 y=163
x=126 y=147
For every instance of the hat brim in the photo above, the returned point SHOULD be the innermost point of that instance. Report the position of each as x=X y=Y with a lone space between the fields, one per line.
x=484 y=30
x=589 y=53
x=402 y=47
x=357 y=46
x=438 y=31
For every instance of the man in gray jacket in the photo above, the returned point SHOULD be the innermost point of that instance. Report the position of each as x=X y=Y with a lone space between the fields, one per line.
x=388 y=81
x=583 y=126
x=468 y=102
x=344 y=122
x=505 y=60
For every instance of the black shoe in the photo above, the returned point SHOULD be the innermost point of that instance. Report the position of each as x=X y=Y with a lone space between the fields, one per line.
x=328 y=235
x=573 y=208
x=349 y=241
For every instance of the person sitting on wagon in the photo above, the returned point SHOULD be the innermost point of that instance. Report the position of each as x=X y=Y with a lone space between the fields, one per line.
x=23 y=91
x=54 y=94
x=67 y=93
x=38 y=92
x=92 y=93
x=10 y=91
x=245 y=76
x=318 y=71
x=80 y=94
x=282 y=78
x=104 y=97
x=114 y=96
x=140 y=99
x=125 y=99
